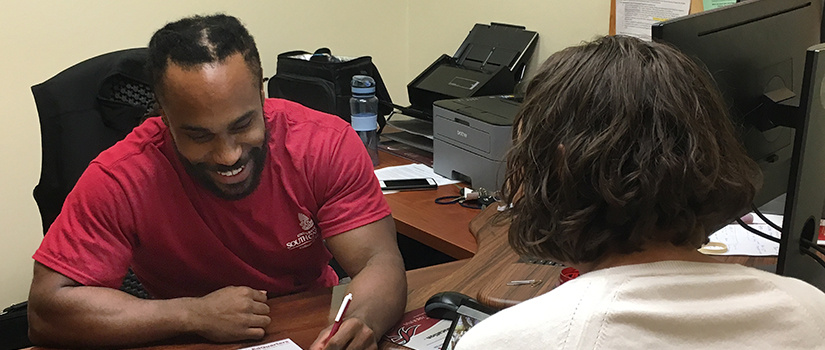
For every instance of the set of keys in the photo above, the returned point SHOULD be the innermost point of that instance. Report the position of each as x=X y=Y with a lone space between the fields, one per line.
x=469 y=198
x=531 y=283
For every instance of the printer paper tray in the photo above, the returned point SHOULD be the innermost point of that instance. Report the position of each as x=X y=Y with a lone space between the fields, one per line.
x=420 y=127
x=410 y=139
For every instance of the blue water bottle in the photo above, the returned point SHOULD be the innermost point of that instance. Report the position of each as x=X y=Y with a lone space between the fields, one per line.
x=364 y=113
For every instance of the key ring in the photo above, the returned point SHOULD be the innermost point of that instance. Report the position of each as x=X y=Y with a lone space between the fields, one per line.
x=461 y=200
x=468 y=198
x=449 y=199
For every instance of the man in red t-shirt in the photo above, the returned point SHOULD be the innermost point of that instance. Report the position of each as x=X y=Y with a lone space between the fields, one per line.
x=223 y=200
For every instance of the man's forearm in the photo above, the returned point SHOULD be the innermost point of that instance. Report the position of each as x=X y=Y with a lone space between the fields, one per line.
x=379 y=293
x=109 y=317
x=97 y=316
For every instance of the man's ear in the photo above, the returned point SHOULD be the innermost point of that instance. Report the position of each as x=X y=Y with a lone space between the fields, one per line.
x=163 y=117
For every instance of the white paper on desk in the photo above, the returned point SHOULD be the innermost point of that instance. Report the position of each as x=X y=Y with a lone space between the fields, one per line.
x=283 y=344
x=411 y=171
x=743 y=242
x=635 y=17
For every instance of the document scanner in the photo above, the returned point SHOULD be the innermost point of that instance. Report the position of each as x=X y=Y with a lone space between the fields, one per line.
x=490 y=61
x=470 y=138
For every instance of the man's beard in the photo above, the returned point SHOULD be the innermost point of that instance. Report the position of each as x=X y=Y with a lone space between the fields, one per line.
x=200 y=172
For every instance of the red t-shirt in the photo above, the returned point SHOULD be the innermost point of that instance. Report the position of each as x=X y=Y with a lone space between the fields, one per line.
x=135 y=206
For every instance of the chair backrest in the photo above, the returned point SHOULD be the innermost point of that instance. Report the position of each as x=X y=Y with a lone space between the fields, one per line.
x=84 y=110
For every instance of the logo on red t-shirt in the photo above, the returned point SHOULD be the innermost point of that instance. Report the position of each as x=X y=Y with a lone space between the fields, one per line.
x=306 y=222
x=307 y=236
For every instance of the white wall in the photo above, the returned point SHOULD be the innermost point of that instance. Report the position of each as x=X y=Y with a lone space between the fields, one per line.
x=39 y=38
x=439 y=27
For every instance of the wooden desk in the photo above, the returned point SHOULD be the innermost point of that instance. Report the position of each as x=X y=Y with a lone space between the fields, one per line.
x=494 y=264
x=302 y=316
x=417 y=216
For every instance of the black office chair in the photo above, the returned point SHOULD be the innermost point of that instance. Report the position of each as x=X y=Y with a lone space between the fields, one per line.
x=83 y=110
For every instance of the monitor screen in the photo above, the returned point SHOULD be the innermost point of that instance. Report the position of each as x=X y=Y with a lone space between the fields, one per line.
x=755 y=51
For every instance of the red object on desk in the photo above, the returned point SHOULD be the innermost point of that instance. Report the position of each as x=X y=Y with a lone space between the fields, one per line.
x=821 y=238
x=568 y=273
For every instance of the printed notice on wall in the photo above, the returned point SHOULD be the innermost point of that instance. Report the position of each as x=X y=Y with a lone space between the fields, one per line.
x=634 y=17
x=712 y=4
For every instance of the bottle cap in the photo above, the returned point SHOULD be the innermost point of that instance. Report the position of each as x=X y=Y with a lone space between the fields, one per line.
x=363 y=85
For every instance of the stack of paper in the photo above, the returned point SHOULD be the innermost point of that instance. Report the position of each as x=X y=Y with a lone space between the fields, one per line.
x=743 y=242
x=740 y=241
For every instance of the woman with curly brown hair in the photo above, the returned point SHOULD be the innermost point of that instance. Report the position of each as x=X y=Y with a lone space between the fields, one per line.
x=623 y=163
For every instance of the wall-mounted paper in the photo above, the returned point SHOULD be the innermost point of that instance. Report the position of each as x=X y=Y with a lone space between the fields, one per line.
x=634 y=17
x=712 y=4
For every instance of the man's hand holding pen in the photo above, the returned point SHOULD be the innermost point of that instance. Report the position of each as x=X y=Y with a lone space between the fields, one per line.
x=346 y=333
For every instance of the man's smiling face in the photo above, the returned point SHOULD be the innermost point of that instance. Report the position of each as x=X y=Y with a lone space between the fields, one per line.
x=215 y=115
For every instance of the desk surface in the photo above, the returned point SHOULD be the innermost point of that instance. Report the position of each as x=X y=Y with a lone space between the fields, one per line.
x=417 y=216
x=302 y=316
x=303 y=326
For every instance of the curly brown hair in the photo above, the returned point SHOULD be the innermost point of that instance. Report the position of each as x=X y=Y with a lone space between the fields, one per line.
x=620 y=142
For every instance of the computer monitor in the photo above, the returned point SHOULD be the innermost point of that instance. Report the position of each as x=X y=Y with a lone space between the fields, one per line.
x=756 y=53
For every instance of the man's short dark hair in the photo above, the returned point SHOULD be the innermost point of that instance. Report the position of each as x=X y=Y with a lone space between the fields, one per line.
x=619 y=143
x=197 y=40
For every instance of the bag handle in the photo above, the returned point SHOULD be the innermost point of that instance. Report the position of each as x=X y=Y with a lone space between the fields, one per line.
x=324 y=54
x=323 y=50
x=292 y=53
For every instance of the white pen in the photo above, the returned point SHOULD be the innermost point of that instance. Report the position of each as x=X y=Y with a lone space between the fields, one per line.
x=341 y=310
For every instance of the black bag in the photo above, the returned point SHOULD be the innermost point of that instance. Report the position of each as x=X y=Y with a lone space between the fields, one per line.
x=321 y=81
x=14 y=327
